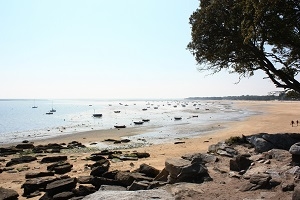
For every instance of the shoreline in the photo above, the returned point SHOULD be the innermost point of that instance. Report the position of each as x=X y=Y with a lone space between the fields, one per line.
x=274 y=117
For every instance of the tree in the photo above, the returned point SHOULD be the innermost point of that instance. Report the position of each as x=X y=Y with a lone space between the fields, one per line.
x=248 y=35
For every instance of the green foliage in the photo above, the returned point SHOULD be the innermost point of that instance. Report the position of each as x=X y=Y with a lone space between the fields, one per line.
x=248 y=35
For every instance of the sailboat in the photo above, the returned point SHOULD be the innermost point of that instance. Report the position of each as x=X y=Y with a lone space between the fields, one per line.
x=52 y=110
x=34 y=106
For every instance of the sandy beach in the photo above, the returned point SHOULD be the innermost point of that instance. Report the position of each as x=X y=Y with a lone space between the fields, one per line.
x=275 y=117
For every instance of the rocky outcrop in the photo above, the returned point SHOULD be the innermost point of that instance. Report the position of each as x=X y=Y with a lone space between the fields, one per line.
x=264 y=142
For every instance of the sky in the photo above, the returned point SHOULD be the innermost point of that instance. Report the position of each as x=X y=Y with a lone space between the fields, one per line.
x=106 y=49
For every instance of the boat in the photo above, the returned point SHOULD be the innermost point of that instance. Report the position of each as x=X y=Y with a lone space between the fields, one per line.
x=49 y=113
x=117 y=111
x=97 y=115
x=34 y=106
x=145 y=120
x=138 y=122
x=144 y=109
x=177 y=118
x=155 y=107
x=120 y=126
x=52 y=110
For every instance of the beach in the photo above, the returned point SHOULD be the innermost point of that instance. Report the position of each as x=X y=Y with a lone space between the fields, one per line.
x=273 y=117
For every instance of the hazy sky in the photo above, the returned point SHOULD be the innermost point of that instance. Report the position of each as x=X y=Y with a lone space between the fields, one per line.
x=106 y=49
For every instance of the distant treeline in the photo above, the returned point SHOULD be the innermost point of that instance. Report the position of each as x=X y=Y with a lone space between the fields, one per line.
x=281 y=97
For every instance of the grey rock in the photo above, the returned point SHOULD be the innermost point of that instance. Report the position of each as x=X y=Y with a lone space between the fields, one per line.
x=8 y=194
x=296 y=193
x=112 y=188
x=183 y=170
x=295 y=149
x=131 y=195
x=202 y=158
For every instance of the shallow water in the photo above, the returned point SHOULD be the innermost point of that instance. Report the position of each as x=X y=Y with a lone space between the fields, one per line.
x=19 y=121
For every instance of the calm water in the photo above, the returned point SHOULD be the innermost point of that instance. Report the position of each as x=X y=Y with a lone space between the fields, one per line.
x=19 y=121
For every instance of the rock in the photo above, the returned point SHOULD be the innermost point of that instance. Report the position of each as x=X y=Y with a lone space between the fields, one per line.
x=75 y=144
x=85 y=179
x=295 y=149
x=279 y=155
x=261 y=145
x=296 y=193
x=36 y=184
x=63 y=185
x=63 y=196
x=97 y=157
x=148 y=170
x=51 y=159
x=136 y=195
x=38 y=174
x=22 y=159
x=112 y=188
x=60 y=167
x=202 y=158
x=25 y=146
x=287 y=186
x=222 y=149
x=83 y=190
x=127 y=178
x=100 y=167
x=8 y=194
x=9 y=151
x=99 y=181
x=183 y=170
x=239 y=163
x=142 y=185
x=162 y=176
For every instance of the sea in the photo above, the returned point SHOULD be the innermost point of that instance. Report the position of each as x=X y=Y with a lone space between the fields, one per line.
x=20 y=121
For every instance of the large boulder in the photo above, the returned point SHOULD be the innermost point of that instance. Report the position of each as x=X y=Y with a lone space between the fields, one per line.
x=8 y=194
x=148 y=170
x=181 y=170
x=131 y=195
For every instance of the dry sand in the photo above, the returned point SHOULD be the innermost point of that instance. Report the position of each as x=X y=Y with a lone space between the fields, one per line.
x=275 y=117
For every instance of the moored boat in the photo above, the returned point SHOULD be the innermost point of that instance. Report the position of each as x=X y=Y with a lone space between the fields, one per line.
x=97 y=115
x=138 y=122
x=120 y=126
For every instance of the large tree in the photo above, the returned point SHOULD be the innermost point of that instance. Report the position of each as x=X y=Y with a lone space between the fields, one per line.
x=248 y=35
